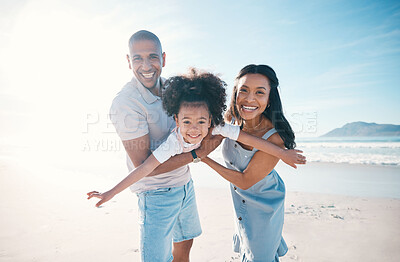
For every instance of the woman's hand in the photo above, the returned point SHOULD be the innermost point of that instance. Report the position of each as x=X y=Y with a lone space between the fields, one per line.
x=293 y=157
x=106 y=196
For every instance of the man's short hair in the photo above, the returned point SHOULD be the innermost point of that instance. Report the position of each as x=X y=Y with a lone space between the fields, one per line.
x=144 y=35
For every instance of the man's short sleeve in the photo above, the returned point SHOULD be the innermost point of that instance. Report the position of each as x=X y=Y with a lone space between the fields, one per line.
x=129 y=119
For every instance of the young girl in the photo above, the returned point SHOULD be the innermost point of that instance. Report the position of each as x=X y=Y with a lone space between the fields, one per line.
x=197 y=102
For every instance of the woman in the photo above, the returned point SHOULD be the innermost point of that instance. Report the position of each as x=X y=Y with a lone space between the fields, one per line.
x=258 y=192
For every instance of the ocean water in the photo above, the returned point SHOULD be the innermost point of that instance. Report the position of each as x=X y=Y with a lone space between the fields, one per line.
x=362 y=167
x=383 y=151
x=357 y=167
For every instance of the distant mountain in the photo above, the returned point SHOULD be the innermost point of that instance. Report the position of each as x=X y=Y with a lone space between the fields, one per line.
x=365 y=129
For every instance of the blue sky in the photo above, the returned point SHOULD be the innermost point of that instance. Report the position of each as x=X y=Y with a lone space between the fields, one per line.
x=337 y=61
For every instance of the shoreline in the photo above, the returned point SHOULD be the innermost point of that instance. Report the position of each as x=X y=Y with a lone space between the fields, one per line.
x=343 y=179
x=356 y=180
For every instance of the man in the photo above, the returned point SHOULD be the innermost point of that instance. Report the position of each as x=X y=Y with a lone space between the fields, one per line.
x=167 y=205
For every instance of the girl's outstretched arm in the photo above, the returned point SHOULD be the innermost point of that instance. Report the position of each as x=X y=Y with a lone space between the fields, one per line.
x=169 y=148
x=290 y=157
x=141 y=171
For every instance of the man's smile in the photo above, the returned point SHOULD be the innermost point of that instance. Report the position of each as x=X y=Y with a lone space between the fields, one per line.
x=148 y=75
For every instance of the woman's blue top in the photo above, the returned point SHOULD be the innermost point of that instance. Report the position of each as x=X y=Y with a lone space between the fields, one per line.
x=259 y=210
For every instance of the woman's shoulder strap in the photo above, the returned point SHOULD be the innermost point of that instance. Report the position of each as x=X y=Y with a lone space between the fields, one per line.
x=269 y=133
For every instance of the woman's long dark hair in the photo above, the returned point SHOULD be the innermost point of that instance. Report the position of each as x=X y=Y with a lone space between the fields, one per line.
x=274 y=112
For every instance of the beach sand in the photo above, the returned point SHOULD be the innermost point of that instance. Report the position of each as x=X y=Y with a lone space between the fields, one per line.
x=46 y=217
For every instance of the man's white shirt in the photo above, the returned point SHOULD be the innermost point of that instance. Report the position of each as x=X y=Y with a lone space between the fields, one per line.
x=136 y=112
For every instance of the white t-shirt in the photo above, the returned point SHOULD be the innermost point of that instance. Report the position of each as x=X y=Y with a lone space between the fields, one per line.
x=135 y=112
x=175 y=144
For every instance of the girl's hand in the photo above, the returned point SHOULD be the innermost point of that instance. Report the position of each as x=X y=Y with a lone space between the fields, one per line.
x=106 y=196
x=293 y=157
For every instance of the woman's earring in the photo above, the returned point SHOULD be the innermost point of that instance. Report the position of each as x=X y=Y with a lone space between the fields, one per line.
x=268 y=105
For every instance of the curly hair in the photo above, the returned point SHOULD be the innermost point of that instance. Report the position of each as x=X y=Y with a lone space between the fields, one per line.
x=196 y=87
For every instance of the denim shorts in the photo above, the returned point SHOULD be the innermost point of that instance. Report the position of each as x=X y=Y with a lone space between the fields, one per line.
x=166 y=215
